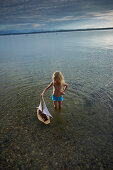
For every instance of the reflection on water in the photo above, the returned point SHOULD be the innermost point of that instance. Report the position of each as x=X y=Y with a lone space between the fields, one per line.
x=59 y=124
x=80 y=135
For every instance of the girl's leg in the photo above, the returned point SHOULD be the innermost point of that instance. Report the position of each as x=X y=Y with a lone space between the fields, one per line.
x=55 y=104
x=60 y=104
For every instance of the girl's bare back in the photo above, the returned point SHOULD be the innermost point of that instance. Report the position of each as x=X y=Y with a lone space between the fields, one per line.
x=57 y=89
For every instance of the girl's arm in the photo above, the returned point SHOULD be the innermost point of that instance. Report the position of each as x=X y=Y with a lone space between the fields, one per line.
x=50 y=85
x=66 y=86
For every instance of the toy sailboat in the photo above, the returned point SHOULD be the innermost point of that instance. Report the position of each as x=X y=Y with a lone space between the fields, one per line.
x=43 y=113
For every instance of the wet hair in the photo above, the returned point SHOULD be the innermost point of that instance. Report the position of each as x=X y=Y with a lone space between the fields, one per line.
x=58 y=77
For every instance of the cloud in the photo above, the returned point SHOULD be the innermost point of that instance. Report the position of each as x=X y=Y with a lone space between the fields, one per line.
x=100 y=15
x=55 y=14
x=88 y=26
x=67 y=18
x=24 y=26
x=12 y=26
x=36 y=25
x=104 y=19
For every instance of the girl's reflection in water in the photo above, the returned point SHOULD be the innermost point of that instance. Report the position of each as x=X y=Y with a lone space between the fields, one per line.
x=59 y=124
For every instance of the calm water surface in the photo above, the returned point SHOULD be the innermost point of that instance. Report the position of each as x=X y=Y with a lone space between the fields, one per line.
x=81 y=135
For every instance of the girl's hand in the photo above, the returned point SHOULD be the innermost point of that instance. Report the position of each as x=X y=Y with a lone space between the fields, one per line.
x=62 y=93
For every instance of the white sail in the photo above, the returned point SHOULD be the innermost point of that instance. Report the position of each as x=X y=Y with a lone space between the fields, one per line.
x=45 y=109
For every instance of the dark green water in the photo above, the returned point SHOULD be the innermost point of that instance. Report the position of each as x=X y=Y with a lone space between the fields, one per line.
x=81 y=135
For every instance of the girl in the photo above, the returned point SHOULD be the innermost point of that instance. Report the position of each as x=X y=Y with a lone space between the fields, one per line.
x=59 y=88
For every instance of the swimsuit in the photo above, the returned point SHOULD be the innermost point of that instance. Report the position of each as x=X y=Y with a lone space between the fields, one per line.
x=57 y=98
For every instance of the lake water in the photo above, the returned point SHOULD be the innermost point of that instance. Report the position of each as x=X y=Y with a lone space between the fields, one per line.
x=80 y=136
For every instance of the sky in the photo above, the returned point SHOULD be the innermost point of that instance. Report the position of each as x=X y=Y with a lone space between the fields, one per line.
x=50 y=15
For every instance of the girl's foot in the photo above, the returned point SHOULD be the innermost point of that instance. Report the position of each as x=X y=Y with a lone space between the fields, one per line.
x=60 y=107
x=55 y=104
x=60 y=104
x=55 y=107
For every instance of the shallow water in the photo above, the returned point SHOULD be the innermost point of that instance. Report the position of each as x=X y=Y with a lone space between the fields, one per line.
x=80 y=135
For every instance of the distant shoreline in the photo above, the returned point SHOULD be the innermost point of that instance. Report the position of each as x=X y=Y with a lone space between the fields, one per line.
x=56 y=31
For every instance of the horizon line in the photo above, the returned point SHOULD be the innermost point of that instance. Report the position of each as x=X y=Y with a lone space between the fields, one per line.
x=55 y=31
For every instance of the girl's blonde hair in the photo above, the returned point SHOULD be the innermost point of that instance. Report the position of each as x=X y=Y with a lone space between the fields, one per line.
x=58 y=77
